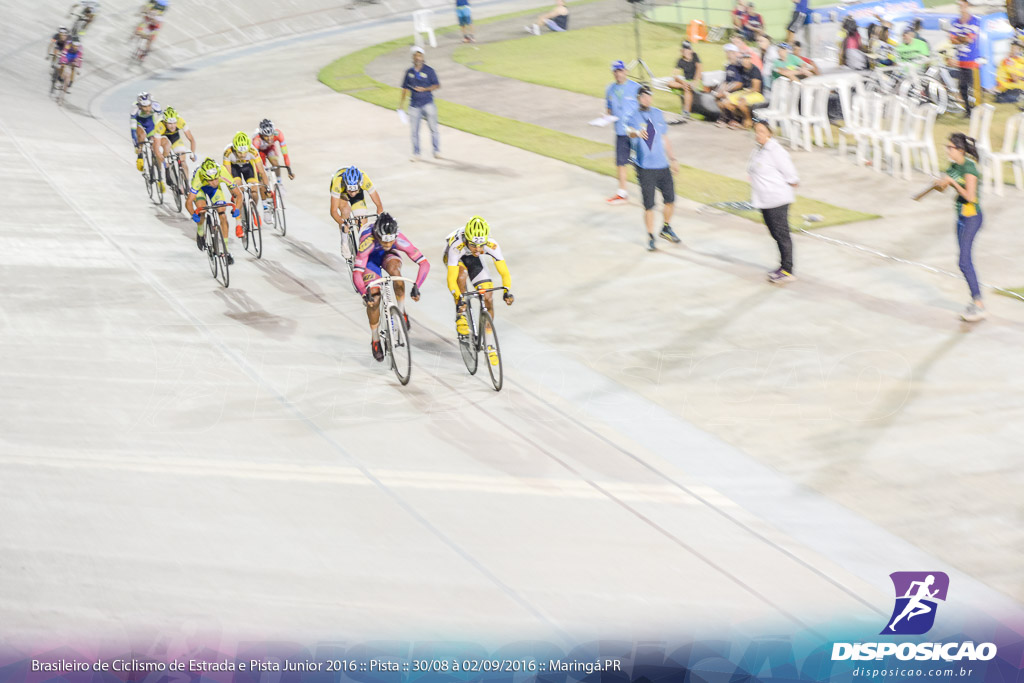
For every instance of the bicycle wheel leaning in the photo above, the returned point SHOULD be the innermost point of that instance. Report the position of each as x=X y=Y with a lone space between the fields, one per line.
x=489 y=343
x=398 y=345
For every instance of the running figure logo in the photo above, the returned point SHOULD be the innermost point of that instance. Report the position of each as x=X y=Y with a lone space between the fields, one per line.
x=917 y=596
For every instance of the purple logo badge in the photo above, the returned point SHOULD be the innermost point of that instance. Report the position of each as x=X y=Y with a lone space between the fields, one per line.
x=650 y=134
x=917 y=596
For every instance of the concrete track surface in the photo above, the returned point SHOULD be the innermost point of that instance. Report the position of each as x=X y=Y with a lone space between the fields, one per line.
x=678 y=445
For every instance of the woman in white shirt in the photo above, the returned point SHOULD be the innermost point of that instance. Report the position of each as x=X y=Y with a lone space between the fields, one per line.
x=772 y=179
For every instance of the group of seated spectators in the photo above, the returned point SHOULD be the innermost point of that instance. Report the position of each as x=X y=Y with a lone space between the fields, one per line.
x=1010 y=75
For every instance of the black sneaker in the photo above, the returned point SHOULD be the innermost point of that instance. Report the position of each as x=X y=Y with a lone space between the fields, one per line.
x=200 y=242
x=378 y=351
x=669 y=234
x=231 y=259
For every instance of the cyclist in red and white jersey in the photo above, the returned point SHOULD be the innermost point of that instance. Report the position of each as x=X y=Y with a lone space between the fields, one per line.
x=268 y=140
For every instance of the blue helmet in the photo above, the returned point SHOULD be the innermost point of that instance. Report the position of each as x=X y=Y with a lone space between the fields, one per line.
x=352 y=177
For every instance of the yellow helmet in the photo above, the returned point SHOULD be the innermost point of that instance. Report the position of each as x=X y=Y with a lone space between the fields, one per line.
x=241 y=142
x=208 y=170
x=170 y=115
x=477 y=231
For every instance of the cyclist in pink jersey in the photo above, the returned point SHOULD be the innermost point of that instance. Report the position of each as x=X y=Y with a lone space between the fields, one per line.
x=380 y=247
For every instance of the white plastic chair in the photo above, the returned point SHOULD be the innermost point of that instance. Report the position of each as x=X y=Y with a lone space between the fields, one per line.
x=777 y=112
x=866 y=118
x=920 y=140
x=910 y=126
x=421 y=24
x=890 y=127
x=796 y=90
x=983 y=136
x=1012 y=152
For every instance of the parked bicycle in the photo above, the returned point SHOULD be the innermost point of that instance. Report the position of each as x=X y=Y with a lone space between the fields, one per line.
x=252 y=219
x=482 y=336
x=176 y=173
x=391 y=327
x=216 y=253
x=354 y=225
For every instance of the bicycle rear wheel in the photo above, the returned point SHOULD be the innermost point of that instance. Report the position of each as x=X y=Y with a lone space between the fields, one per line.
x=154 y=181
x=398 y=345
x=351 y=260
x=279 y=218
x=489 y=342
x=256 y=232
x=469 y=346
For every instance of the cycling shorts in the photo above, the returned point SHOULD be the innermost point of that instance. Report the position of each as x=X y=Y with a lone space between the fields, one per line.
x=476 y=270
x=377 y=260
x=212 y=195
x=245 y=171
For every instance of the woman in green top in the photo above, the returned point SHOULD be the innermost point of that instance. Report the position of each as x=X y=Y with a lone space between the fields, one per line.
x=963 y=176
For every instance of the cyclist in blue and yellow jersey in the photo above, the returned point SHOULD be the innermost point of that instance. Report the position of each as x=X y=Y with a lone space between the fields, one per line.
x=146 y=113
x=242 y=162
x=206 y=190
x=350 y=188
x=463 y=252
x=169 y=136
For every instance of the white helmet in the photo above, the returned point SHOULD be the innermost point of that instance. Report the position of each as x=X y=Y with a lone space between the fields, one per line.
x=144 y=99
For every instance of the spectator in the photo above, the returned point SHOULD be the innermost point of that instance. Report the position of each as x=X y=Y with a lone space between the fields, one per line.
x=733 y=80
x=769 y=55
x=788 y=65
x=739 y=17
x=557 y=19
x=755 y=23
x=916 y=27
x=880 y=46
x=688 y=76
x=755 y=55
x=797 y=20
x=798 y=50
x=737 y=105
x=620 y=101
x=851 y=52
x=772 y=179
x=964 y=35
x=1010 y=75
x=419 y=84
x=465 y=17
x=655 y=163
x=912 y=47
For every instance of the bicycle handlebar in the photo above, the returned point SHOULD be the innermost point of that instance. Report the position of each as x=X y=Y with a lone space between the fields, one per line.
x=481 y=292
x=375 y=283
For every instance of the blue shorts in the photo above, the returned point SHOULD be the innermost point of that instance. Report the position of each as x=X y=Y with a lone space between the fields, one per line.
x=463 y=13
x=377 y=260
x=623 y=146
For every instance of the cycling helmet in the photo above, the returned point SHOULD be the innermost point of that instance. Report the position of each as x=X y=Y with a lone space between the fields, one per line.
x=267 y=128
x=208 y=170
x=62 y=29
x=241 y=142
x=352 y=177
x=75 y=43
x=477 y=231
x=385 y=229
x=170 y=115
x=144 y=99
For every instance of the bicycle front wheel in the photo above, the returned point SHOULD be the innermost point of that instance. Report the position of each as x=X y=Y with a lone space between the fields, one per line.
x=398 y=345
x=489 y=342
x=279 y=218
x=154 y=182
x=222 y=257
x=173 y=185
x=351 y=260
x=210 y=240
x=256 y=230
x=469 y=346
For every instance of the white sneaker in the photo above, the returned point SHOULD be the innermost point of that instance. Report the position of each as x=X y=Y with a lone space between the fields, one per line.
x=973 y=313
x=437 y=155
x=414 y=157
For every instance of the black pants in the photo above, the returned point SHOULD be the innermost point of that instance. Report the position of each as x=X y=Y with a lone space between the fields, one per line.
x=965 y=79
x=777 y=220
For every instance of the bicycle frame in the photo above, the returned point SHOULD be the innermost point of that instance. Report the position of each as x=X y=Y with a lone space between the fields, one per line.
x=466 y=298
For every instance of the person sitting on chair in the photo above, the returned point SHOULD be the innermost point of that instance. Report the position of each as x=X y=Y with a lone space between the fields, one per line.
x=798 y=50
x=736 y=105
x=1010 y=75
x=687 y=77
x=557 y=19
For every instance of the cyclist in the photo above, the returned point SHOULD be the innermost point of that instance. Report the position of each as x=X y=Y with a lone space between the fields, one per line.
x=167 y=137
x=381 y=246
x=70 y=61
x=146 y=113
x=208 y=179
x=59 y=41
x=463 y=252
x=89 y=10
x=243 y=163
x=156 y=6
x=265 y=139
x=147 y=30
x=349 y=189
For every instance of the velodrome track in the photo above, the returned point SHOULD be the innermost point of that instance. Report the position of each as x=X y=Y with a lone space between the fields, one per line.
x=177 y=456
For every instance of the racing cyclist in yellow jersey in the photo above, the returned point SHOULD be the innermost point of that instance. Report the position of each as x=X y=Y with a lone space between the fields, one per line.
x=349 y=190
x=242 y=161
x=168 y=138
x=464 y=249
x=206 y=190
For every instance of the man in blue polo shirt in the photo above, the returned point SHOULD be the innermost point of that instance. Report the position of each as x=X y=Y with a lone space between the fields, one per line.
x=620 y=101
x=419 y=84
x=964 y=34
x=655 y=163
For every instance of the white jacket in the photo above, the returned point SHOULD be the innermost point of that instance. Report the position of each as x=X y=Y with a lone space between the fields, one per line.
x=772 y=176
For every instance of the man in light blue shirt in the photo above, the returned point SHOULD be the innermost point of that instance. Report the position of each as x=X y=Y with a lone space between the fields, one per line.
x=620 y=101
x=655 y=163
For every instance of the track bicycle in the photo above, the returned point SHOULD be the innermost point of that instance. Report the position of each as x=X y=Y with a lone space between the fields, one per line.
x=252 y=220
x=391 y=327
x=216 y=252
x=177 y=177
x=482 y=336
x=277 y=199
x=354 y=224
x=151 y=172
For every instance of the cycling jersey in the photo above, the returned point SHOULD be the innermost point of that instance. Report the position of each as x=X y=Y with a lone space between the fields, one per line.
x=160 y=130
x=214 y=191
x=264 y=147
x=457 y=252
x=147 y=121
x=371 y=256
x=338 y=189
x=59 y=43
x=233 y=157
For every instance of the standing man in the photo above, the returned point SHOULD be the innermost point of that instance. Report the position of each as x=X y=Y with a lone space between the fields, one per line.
x=654 y=161
x=964 y=34
x=419 y=84
x=620 y=101
x=465 y=17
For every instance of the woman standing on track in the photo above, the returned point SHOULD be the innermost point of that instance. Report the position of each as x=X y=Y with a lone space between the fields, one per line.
x=772 y=179
x=963 y=176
